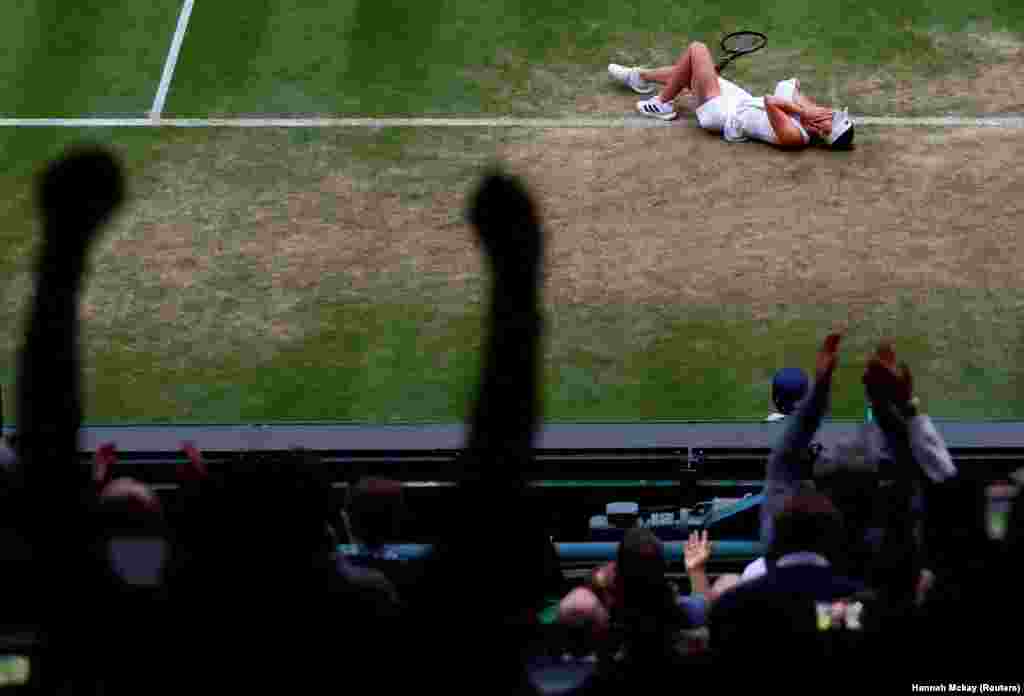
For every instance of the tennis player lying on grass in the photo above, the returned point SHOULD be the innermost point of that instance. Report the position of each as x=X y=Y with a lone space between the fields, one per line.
x=787 y=118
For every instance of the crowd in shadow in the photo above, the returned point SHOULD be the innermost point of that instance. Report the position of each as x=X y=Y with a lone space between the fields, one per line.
x=878 y=568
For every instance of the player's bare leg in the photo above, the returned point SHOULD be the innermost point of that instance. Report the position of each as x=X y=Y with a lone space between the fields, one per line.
x=695 y=70
x=675 y=77
x=659 y=75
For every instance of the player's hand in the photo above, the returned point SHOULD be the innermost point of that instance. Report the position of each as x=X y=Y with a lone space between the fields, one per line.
x=828 y=357
x=818 y=121
x=508 y=225
x=816 y=113
x=816 y=128
x=697 y=551
x=77 y=194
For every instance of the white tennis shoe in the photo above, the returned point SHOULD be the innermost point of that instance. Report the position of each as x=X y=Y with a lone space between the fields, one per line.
x=631 y=78
x=655 y=108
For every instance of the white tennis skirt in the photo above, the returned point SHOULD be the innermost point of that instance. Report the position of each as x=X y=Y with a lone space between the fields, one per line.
x=713 y=114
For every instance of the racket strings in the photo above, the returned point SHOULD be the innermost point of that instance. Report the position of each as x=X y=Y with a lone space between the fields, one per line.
x=738 y=44
x=741 y=45
x=743 y=42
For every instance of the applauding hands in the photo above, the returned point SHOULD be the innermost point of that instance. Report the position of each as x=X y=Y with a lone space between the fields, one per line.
x=828 y=358
x=884 y=381
x=697 y=551
x=889 y=387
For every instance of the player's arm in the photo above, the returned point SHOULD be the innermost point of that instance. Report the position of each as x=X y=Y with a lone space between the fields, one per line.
x=786 y=131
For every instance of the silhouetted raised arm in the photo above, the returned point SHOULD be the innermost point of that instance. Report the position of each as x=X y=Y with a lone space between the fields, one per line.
x=77 y=195
x=785 y=463
x=500 y=435
x=505 y=417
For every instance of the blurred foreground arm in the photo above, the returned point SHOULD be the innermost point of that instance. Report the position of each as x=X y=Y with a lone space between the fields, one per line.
x=77 y=195
x=506 y=415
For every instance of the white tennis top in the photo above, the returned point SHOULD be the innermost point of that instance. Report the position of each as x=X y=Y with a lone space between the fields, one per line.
x=750 y=121
x=748 y=117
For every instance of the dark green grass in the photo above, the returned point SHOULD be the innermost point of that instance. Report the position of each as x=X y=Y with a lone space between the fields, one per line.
x=406 y=363
x=82 y=57
x=383 y=57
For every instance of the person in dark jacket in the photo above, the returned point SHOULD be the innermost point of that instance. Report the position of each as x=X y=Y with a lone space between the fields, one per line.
x=808 y=532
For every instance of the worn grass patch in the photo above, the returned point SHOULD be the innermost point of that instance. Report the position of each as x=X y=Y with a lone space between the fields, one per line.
x=417 y=363
x=925 y=70
x=270 y=274
x=231 y=240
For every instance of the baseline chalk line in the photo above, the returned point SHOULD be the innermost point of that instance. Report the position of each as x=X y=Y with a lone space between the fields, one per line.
x=1007 y=122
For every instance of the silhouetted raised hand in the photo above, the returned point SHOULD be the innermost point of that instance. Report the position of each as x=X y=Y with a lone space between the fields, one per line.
x=508 y=226
x=886 y=382
x=889 y=389
x=77 y=194
x=828 y=357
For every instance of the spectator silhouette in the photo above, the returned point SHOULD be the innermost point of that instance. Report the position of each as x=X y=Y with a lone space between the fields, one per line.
x=648 y=610
x=252 y=568
x=249 y=573
x=589 y=611
x=374 y=512
x=498 y=612
x=371 y=519
x=649 y=633
x=848 y=472
x=76 y=195
x=789 y=386
x=808 y=532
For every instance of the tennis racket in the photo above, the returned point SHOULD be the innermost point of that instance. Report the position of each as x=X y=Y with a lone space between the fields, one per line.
x=740 y=43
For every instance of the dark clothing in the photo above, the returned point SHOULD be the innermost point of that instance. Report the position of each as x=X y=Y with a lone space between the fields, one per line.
x=775 y=615
x=802 y=582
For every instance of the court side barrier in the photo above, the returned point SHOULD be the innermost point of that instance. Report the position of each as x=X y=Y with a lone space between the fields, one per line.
x=581 y=552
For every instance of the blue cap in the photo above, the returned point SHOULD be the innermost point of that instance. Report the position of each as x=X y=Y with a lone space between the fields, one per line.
x=789 y=386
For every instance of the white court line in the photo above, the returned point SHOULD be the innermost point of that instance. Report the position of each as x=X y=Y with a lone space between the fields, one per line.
x=1008 y=122
x=172 y=60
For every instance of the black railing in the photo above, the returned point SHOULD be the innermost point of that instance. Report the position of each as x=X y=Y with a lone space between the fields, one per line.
x=685 y=466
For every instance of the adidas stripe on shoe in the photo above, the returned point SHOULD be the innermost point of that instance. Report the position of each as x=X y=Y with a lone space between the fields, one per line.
x=654 y=108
